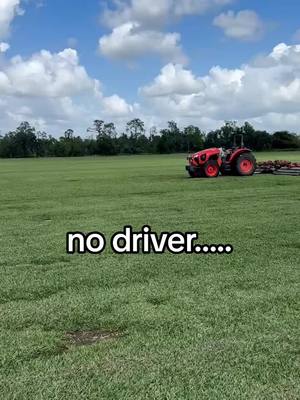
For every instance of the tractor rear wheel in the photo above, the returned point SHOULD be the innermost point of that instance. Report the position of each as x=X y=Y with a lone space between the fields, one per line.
x=211 y=169
x=245 y=165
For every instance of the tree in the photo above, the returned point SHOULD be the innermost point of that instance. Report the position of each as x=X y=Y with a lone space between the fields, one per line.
x=153 y=140
x=255 y=140
x=97 y=127
x=20 y=143
x=45 y=145
x=106 y=146
x=193 y=138
x=135 y=128
x=227 y=132
x=106 y=139
x=263 y=141
x=69 y=133
x=25 y=141
x=137 y=141
x=285 y=140
x=222 y=137
x=171 y=140
x=109 y=130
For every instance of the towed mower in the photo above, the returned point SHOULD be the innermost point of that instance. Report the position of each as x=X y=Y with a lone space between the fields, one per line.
x=239 y=160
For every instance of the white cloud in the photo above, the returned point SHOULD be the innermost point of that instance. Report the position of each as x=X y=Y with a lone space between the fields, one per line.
x=147 y=14
x=8 y=10
x=157 y=12
x=261 y=92
x=128 y=42
x=244 y=25
x=190 y=7
x=115 y=106
x=137 y=27
x=4 y=47
x=46 y=74
x=54 y=91
x=174 y=79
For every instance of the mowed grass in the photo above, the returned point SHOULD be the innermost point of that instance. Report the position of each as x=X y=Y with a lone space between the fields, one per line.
x=194 y=326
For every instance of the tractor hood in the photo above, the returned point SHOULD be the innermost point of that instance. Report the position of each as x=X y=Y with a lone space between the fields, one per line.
x=203 y=155
x=212 y=150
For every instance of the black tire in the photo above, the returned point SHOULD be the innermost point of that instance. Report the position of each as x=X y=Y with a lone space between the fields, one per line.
x=245 y=165
x=195 y=172
x=211 y=169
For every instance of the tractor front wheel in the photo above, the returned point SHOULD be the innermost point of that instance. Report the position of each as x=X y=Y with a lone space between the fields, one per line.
x=192 y=174
x=211 y=169
x=246 y=165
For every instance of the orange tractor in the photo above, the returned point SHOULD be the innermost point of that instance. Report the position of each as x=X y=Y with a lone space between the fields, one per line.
x=239 y=160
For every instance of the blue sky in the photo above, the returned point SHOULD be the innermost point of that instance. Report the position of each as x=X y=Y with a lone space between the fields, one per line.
x=208 y=36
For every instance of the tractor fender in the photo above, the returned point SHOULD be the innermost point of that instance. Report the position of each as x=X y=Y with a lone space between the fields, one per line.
x=237 y=153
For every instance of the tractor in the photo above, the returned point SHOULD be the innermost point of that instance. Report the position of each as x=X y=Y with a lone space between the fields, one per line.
x=239 y=160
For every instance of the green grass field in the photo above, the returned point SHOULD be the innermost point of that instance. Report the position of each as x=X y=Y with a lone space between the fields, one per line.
x=193 y=326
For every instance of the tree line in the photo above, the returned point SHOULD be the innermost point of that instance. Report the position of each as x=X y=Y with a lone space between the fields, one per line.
x=26 y=141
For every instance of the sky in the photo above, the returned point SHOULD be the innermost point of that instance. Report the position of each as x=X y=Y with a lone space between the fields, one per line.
x=66 y=63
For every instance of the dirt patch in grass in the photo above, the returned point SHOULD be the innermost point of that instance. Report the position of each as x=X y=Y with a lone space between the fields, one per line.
x=86 y=338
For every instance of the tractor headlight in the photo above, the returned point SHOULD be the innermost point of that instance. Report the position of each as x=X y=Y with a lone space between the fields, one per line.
x=203 y=157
